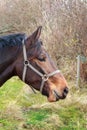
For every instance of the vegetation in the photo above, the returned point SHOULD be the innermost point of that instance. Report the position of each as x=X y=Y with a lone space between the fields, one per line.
x=20 y=109
x=64 y=36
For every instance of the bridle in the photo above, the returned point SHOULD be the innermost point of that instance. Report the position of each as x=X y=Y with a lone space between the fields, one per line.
x=27 y=64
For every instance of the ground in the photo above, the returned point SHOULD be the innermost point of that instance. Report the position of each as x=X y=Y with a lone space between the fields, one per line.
x=20 y=109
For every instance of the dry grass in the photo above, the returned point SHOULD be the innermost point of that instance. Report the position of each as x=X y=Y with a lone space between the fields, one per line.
x=14 y=111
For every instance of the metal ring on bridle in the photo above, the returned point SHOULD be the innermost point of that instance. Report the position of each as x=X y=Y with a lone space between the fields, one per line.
x=45 y=77
x=26 y=62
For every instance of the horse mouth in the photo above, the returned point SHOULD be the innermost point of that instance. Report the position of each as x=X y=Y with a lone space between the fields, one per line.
x=57 y=96
x=54 y=96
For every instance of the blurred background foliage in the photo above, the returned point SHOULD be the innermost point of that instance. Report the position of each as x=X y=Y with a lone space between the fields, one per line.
x=64 y=26
x=64 y=35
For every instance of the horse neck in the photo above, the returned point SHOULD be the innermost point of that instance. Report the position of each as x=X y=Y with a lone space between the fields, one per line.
x=7 y=59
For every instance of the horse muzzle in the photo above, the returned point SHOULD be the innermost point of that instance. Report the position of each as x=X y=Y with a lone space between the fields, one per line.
x=56 y=96
x=64 y=94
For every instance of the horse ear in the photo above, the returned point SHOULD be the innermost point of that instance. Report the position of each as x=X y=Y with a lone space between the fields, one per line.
x=37 y=33
x=34 y=37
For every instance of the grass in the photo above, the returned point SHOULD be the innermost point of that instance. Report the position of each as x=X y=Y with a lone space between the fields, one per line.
x=20 y=109
x=72 y=119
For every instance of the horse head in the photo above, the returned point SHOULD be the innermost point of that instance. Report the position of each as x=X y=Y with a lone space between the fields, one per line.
x=36 y=68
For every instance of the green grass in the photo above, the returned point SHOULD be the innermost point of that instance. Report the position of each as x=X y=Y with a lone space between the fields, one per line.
x=72 y=118
x=22 y=110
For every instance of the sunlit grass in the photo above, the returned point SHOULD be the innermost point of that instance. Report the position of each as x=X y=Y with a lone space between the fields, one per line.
x=20 y=109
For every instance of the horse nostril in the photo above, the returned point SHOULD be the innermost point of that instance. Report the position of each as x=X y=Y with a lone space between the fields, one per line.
x=66 y=90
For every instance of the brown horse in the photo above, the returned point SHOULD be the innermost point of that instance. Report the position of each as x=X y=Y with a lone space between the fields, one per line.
x=27 y=59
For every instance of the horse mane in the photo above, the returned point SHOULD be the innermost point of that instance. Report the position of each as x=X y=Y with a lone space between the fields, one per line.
x=11 y=40
x=16 y=39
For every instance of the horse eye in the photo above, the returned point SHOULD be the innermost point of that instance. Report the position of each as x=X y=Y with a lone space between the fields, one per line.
x=42 y=58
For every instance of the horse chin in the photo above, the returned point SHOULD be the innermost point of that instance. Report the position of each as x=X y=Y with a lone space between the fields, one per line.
x=52 y=97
